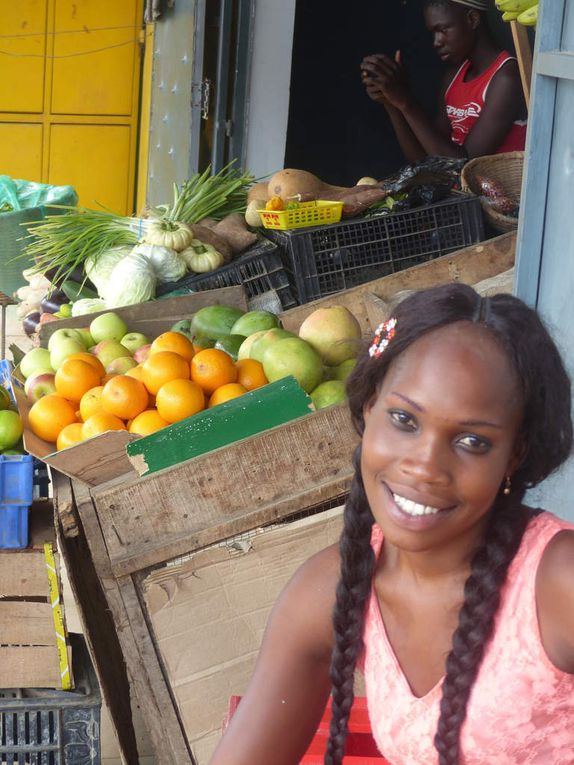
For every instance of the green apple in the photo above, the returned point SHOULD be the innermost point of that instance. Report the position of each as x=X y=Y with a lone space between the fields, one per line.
x=63 y=334
x=108 y=326
x=121 y=365
x=63 y=349
x=39 y=385
x=134 y=340
x=34 y=360
x=11 y=429
x=87 y=339
x=108 y=350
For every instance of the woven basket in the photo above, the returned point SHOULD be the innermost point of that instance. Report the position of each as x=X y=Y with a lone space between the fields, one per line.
x=504 y=168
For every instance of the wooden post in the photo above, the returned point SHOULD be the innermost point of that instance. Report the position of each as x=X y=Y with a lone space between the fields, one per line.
x=524 y=56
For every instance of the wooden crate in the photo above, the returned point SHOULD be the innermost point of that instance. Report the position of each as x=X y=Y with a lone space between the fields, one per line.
x=131 y=525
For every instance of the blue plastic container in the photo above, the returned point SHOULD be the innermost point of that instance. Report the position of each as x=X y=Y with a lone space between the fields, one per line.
x=16 y=495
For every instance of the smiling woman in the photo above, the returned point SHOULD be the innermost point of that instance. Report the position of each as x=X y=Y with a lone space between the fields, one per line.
x=454 y=598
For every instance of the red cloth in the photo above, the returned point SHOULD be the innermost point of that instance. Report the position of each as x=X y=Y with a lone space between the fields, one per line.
x=465 y=101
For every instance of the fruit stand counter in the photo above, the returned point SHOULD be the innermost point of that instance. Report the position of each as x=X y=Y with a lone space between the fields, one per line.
x=135 y=527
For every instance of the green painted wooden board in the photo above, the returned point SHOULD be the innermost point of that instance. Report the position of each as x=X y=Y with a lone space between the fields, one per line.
x=273 y=404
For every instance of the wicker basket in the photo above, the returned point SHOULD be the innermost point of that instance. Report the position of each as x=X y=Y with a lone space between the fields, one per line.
x=504 y=168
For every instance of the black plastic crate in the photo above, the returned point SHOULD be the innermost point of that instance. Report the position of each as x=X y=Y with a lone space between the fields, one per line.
x=324 y=260
x=259 y=270
x=43 y=727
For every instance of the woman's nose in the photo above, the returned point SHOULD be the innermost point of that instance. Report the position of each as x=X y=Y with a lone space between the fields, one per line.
x=427 y=462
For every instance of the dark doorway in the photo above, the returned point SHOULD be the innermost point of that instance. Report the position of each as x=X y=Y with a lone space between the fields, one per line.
x=334 y=130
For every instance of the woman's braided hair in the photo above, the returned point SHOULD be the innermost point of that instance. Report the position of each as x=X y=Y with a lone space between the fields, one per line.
x=545 y=439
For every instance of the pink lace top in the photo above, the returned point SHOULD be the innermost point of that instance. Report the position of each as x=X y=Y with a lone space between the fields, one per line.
x=521 y=708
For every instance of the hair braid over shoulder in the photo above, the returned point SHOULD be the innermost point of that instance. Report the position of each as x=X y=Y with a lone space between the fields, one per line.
x=476 y=620
x=357 y=562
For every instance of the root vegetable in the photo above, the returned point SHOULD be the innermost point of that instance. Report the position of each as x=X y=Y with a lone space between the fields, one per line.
x=234 y=231
x=258 y=191
x=359 y=201
x=218 y=242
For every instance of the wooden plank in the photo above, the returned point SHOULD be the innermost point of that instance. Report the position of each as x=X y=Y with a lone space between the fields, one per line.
x=234 y=485
x=36 y=667
x=259 y=410
x=524 y=56
x=66 y=517
x=157 y=316
x=29 y=624
x=23 y=574
x=469 y=265
x=98 y=626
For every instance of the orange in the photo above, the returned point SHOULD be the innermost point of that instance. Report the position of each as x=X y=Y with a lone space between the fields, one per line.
x=162 y=367
x=147 y=422
x=179 y=399
x=91 y=402
x=135 y=372
x=50 y=415
x=74 y=378
x=100 y=423
x=226 y=393
x=125 y=397
x=250 y=374
x=212 y=368
x=69 y=436
x=174 y=342
x=89 y=358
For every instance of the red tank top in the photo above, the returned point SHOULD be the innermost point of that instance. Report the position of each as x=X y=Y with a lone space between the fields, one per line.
x=465 y=102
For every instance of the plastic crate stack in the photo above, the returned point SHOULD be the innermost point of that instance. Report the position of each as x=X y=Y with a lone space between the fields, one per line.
x=44 y=727
x=324 y=260
x=16 y=496
x=259 y=270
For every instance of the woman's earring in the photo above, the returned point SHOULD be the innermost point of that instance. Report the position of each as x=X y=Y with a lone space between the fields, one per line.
x=507 y=486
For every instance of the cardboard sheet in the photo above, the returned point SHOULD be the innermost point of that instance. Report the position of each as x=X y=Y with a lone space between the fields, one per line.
x=209 y=614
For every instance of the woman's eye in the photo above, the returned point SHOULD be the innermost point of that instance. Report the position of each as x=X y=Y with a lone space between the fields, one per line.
x=474 y=443
x=403 y=419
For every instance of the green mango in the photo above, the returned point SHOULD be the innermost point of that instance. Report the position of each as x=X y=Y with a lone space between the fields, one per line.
x=230 y=344
x=215 y=321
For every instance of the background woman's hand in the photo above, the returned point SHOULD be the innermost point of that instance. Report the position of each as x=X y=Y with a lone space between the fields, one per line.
x=385 y=80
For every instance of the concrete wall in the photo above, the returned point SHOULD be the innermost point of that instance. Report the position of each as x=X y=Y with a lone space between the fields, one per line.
x=269 y=86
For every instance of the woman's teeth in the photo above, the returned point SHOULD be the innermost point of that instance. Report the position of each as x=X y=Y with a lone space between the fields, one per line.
x=413 y=508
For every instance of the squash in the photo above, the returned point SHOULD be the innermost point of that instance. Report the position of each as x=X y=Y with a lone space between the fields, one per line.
x=252 y=217
x=290 y=183
x=258 y=191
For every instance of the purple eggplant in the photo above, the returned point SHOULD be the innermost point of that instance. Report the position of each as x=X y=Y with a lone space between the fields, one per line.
x=31 y=323
x=53 y=301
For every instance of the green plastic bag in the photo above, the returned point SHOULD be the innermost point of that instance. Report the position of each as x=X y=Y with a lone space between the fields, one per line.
x=22 y=202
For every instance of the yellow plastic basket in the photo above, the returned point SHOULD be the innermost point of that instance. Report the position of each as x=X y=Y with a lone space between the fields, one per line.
x=307 y=214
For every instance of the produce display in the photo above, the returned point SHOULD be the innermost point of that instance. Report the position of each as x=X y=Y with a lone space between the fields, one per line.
x=525 y=12
x=11 y=427
x=494 y=193
x=104 y=377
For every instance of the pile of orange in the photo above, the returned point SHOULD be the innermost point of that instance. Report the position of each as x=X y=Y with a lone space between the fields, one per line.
x=173 y=383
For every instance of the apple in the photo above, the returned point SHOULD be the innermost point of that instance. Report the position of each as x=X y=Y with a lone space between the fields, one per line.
x=86 y=338
x=63 y=334
x=39 y=385
x=108 y=350
x=121 y=365
x=36 y=359
x=142 y=353
x=11 y=429
x=108 y=326
x=133 y=341
x=63 y=349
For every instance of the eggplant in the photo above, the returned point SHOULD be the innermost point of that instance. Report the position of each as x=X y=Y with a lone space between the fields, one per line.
x=77 y=275
x=53 y=301
x=31 y=323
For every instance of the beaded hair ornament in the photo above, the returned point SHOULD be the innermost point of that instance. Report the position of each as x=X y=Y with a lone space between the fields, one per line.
x=383 y=336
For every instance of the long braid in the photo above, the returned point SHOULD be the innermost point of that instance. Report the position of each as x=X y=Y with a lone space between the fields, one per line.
x=476 y=621
x=357 y=563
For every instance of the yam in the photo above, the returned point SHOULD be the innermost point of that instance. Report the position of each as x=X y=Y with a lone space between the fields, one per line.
x=207 y=236
x=235 y=232
x=258 y=191
x=357 y=202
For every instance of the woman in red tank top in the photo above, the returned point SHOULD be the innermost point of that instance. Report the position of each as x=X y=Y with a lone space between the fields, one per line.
x=484 y=111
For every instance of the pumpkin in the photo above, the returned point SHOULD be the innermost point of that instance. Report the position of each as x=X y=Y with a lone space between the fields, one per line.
x=202 y=258
x=175 y=236
x=290 y=183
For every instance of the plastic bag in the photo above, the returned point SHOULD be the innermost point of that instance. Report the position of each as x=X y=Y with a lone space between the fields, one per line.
x=18 y=195
x=440 y=172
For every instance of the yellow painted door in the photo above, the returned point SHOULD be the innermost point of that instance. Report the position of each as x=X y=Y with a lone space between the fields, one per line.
x=69 y=102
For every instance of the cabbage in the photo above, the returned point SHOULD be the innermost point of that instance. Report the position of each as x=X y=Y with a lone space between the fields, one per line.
x=167 y=263
x=99 y=269
x=88 y=305
x=132 y=281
